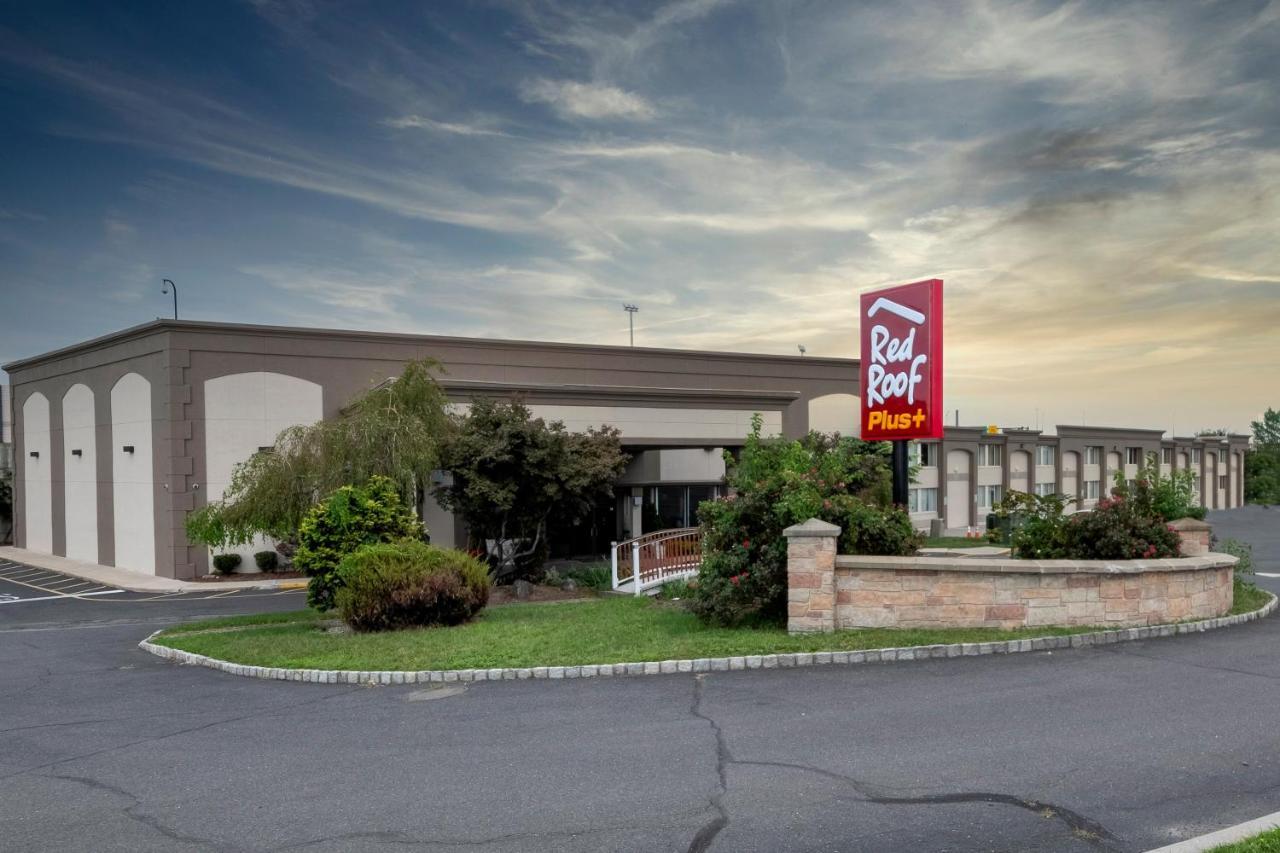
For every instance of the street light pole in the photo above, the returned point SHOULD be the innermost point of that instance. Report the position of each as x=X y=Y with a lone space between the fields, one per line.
x=631 y=319
x=165 y=289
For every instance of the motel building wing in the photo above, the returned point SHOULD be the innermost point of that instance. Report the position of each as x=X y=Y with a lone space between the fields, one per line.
x=116 y=439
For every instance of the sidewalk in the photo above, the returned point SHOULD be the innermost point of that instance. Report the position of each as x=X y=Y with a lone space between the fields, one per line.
x=136 y=581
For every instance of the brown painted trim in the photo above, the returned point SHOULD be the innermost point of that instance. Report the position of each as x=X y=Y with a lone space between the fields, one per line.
x=465 y=389
x=399 y=337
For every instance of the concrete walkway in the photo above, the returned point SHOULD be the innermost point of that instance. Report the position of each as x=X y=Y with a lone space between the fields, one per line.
x=136 y=581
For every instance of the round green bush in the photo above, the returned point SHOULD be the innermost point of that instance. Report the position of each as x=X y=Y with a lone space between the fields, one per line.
x=409 y=584
x=268 y=561
x=348 y=518
x=225 y=564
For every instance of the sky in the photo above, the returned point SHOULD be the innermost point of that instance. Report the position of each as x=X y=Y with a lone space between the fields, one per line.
x=1098 y=184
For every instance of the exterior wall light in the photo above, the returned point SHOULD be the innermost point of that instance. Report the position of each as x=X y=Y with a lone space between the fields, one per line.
x=128 y=448
x=77 y=453
x=35 y=454
x=267 y=449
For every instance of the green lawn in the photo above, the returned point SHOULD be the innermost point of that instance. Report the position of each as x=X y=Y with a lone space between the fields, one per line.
x=956 y=542
x=608 y=630
x=614 y=629
x=1267 y=842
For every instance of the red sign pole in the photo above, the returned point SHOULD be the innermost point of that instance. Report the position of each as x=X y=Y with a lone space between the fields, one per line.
x=901 y=370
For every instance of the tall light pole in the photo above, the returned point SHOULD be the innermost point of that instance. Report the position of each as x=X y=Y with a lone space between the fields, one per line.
x=165 y=290
x=631 y=319
x=802 y=349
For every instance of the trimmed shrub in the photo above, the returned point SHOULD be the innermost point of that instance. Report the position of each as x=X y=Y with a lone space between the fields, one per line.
x=350 y=517
x=267 y=561
x=779 y=483
x=409 y=584
x=1119 y=529
x=1170 y=496
x=225 y=564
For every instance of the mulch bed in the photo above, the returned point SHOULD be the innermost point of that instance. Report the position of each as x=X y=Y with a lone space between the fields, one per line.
x=249 y=576
x=507 y=594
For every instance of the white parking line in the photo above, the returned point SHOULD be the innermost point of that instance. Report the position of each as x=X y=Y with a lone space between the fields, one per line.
x=68 y=595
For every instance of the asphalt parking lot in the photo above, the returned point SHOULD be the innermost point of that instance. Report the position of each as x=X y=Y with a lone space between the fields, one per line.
x=1116 y=748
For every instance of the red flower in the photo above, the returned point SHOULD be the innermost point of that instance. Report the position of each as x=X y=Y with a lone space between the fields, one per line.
x=746 y=543
x=734 y=580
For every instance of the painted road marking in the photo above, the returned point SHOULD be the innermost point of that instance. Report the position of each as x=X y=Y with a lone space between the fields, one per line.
x=1268 y=574
x=13 y=600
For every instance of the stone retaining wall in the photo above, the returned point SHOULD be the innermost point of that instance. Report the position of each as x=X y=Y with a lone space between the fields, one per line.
x=827 y=592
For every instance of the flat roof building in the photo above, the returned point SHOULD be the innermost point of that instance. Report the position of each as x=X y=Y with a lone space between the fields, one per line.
x=118 y=438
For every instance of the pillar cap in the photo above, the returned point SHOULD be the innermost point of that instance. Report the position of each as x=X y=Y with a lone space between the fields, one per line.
x=1186 y=524
x=814 y=527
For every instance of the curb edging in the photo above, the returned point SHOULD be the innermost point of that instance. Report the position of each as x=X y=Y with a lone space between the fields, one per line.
x=721 y=664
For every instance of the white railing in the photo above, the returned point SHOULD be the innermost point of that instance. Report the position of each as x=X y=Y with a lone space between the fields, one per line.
x=655 y=558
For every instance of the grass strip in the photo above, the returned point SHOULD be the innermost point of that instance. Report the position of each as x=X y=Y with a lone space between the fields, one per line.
x=1267 y=842
x=608 y=630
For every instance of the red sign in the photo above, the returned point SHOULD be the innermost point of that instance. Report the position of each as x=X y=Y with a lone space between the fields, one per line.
x=902 y=362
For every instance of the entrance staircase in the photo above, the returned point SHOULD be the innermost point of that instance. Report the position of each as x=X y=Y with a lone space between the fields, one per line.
x=643 y=564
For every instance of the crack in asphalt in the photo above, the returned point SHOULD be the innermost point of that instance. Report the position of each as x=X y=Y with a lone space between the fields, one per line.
x=1080 y=826
x=149 y=821
x=703 y=839
x=259 y=713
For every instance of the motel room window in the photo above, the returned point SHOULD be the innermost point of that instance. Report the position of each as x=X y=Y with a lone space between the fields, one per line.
x=1044 y=489
x=1166 y=455
x=922 y=500
x=1135 y=455
x=1222 y=481
x=989 y=455
x=1091 y=490
x=924 y=455
x=1093 y=456
x=988 y=496
x=1046 y=454
x=1195 y=456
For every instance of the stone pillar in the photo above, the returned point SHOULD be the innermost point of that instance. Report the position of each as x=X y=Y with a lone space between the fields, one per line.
x=1194 y=534
x=811 y=577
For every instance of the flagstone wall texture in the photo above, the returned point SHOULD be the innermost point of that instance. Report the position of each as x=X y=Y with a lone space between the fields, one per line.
x=827 y=592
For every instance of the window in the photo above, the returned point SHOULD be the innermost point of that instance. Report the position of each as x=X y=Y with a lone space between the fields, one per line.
x=1166 y=456
x=1046 y=454
x=1091 y=490
x=1135 y=456
x=922 y=500
x=989 y=455
x=1045 y=489
x=1222 y=482
x=1093 y=456
x=988 y=496
x=1195 y=456
x=1195 y=486
x=924 y=455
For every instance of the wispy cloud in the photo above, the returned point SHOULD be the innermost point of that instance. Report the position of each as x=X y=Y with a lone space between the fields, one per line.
x=587 y=100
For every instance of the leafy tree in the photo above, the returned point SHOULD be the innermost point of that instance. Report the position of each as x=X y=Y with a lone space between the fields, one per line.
x=777 y=483
x=1262 y=462
x=514 y=475
x=394 y=430
x=1172 y=496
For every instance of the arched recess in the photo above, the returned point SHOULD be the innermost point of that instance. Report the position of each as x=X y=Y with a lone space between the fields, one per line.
x=244 y=412
x=132 y=475
x=80 y=473
x=37 y=474
x=834 y=413
x=959 y=493
x=1019 y=468
x=1071 y=474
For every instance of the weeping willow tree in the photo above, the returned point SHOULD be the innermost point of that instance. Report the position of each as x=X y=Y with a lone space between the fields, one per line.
x=395 y=430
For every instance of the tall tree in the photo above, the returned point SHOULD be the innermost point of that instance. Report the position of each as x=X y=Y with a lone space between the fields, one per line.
x=1262 y=462
x=513 y=475
x=393 y=430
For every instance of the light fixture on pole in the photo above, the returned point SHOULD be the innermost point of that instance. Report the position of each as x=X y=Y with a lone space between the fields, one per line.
x=802 y=349
x=165 y=290
x=631 y=319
